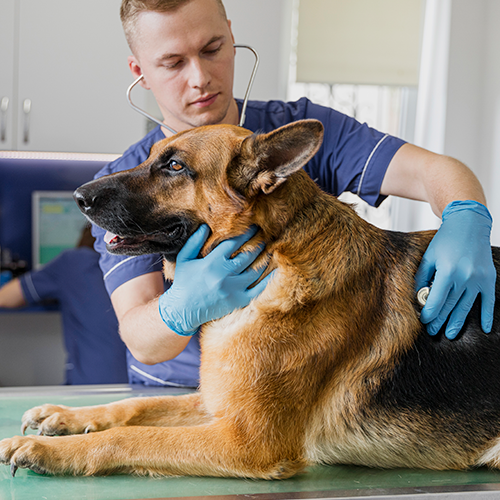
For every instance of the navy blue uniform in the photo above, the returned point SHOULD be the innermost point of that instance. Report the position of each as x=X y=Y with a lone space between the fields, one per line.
x=95 y=351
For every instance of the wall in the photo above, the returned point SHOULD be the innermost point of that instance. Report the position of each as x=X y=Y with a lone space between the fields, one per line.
x=466 y=76
x=473 y=100
x=489 y=141
x=31 y=350
x=266 y=26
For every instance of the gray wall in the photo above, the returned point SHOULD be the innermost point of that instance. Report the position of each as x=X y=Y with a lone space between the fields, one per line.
x=473 y=101
x=31 y=349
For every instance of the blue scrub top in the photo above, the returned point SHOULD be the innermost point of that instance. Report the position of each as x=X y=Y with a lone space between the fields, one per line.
x=353 y=157
x=95 y=352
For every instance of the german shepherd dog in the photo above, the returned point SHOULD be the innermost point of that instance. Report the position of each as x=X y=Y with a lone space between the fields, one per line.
x=330 y=364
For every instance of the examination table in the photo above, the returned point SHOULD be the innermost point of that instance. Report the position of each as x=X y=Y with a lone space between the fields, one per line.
x=319 y=482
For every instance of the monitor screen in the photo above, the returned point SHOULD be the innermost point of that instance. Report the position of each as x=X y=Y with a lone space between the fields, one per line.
x=57 y=224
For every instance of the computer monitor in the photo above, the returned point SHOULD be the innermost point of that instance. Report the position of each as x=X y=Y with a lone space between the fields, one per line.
x=57 y=224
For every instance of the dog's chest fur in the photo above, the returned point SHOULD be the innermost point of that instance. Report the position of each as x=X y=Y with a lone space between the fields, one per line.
x=240 y=379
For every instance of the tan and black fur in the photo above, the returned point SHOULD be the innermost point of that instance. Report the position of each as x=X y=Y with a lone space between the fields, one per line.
x=330 y=364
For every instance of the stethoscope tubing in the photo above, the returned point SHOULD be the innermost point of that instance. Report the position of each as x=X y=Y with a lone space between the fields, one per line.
x=243 y=108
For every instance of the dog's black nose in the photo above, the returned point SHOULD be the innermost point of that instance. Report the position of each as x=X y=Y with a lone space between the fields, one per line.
x=84 y=199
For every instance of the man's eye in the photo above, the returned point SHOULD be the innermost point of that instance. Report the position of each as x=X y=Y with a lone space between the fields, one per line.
x=213 y=51
x=173 y=65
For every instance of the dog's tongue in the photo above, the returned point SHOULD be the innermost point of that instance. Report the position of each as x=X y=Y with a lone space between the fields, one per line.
x=109 y=237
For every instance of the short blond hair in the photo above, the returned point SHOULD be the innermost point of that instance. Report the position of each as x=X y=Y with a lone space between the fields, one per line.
x=130 y=10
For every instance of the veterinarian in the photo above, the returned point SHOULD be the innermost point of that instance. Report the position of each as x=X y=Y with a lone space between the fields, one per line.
x=95 y=354
x=184 y=49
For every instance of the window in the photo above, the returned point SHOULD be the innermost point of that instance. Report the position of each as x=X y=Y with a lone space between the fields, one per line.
x=388 y=108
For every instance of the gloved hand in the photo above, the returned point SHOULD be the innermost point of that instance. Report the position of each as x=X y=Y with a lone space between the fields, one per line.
x=460 y=263
x=208 y=288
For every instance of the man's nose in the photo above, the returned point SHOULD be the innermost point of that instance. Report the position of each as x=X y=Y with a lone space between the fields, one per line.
x=199 y=75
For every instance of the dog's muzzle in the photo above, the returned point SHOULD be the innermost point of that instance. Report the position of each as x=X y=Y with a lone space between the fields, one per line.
x=135 y=229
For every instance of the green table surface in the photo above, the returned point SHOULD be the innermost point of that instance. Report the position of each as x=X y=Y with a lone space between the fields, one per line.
x=316 y=482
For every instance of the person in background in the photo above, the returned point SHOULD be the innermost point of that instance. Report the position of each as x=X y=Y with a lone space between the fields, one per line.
x=184 y=51
x=95 y=352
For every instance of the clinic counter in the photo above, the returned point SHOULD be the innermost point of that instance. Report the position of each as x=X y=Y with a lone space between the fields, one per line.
x=319 y=482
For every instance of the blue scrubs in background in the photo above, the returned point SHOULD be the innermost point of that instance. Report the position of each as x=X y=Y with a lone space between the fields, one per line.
x=95 y=351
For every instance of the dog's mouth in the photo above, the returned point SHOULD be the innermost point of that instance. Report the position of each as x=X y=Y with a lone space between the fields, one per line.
x=116 y=243
x=167 y=241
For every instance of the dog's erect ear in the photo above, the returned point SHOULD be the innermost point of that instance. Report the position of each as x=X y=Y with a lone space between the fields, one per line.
x=266 y=160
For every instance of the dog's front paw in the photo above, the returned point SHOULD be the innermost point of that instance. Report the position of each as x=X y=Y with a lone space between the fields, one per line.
x=75 y=455
x=25 y=452
x=52 y=420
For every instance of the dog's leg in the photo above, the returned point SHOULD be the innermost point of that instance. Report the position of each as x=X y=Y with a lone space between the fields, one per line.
x=220 y=448
x=167 y=411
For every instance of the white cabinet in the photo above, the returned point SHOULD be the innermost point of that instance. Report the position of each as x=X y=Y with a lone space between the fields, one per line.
x=63 y=77
x=6 y=73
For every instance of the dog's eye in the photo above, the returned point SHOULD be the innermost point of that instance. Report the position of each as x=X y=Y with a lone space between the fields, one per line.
x=169 y=165
x=174 y=165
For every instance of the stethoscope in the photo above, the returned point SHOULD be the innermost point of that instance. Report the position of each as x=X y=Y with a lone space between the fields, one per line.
x=245 y=100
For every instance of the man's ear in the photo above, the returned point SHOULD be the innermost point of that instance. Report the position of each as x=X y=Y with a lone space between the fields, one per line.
x=265 y=161
x=231 y=32
x=136 y=71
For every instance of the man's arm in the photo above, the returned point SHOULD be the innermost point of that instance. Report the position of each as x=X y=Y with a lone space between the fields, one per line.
x=136 y=306
x=11 y=295
x=419 y=174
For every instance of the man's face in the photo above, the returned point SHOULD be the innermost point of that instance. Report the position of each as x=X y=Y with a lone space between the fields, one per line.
x=187 y=59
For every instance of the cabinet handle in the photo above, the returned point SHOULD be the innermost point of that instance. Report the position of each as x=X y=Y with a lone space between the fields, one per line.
x=26 y=111
x=4 y=106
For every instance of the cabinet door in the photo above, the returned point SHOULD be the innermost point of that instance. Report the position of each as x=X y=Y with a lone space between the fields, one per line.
x=73 y=75
x=7 y=97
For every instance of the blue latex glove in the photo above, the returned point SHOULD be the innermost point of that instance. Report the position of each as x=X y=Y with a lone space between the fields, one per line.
x=208 y=288
x=460 y=263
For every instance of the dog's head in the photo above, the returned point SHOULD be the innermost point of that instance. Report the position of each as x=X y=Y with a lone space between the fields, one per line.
x=214 y=175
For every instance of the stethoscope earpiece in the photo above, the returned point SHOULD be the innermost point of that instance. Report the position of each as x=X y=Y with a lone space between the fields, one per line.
x=245 y=100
